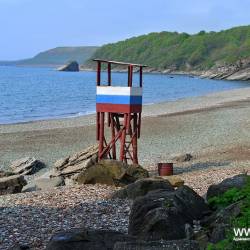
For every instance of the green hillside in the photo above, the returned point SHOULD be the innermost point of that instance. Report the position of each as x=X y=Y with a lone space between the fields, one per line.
x=59 y=56
x=181 y=51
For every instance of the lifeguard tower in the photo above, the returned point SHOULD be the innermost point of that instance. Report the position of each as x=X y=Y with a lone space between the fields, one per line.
x=119 y=107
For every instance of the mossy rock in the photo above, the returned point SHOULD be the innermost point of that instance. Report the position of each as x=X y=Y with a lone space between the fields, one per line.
x=111 y=172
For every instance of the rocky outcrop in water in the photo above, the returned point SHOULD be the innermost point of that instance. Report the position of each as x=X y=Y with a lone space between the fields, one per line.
x=71 y=67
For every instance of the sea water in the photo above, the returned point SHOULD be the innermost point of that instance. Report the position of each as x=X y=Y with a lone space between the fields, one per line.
x=31 y=93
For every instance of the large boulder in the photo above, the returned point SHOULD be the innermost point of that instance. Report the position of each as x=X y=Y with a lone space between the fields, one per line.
x=174 y=180
x=238 y=181
x=141 y=188
x=219 y=222
x=71 y=66
x=72 y=165
x=163 y=214
x=111 y=172
x=44 y=184
x=11 y=184
x=158 y=245
x=26 y=165
x=79 y=239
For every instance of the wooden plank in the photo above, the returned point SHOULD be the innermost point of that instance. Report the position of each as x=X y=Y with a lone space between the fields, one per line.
x=119 y=63
x=118 y=108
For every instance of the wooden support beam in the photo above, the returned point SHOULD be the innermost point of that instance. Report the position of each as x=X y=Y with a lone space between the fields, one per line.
x=109 y=74
x=101 y=135
x=97 y=125
x=98 y=78
x=141 y=69
x=131 y=75
x=134 y=139
x=139 y=126
x=113 y=136
x=123 y=138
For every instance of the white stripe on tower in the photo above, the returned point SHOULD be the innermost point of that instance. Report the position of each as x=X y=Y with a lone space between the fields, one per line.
x=113 y=90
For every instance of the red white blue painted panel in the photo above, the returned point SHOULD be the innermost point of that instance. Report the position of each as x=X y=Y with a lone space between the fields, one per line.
x=118 y=99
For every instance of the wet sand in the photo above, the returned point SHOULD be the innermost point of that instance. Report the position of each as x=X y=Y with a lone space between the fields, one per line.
x=211 y=123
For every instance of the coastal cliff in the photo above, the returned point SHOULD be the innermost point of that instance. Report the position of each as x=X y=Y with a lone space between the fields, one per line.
x=239 y=71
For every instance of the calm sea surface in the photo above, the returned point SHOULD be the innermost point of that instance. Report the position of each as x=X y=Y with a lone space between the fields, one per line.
x=29 y=94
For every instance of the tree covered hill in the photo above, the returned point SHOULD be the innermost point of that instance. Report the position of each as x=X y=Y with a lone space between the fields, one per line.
x=181 y=51
x=58 y=56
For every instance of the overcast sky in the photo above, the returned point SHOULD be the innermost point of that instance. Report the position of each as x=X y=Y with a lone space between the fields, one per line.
x=30 y=26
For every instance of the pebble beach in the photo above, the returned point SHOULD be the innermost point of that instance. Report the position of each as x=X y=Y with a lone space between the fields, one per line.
x=214 y=129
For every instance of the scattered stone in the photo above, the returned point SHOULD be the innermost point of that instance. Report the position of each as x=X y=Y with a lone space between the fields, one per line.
x=163 y=214
x=32 y=218
x=72 y=67
x=158 y=245
x=44 y=184
x=182 y=157
x=174 y=180
x=11 y=184
x=78 y=239
x=141 y=188
x=111 y=172
x=25 y=166
x=237 y=181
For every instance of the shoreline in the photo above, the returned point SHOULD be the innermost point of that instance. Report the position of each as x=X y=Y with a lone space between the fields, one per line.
x=196 y=125
x=149 y=110
x=229 y=73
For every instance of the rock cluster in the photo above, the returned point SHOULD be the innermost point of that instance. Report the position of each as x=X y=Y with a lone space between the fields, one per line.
x=163 y=214
x=161 y=217
x=83 y=168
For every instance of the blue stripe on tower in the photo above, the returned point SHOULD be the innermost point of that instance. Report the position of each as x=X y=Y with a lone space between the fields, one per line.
x=118 y=99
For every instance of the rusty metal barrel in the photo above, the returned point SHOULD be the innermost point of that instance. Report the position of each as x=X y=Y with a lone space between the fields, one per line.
x=165 y=169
